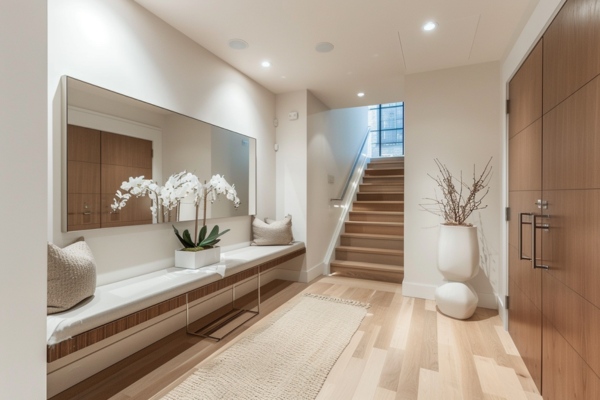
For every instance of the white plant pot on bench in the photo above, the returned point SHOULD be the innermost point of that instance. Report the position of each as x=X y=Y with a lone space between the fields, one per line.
x=197 y=259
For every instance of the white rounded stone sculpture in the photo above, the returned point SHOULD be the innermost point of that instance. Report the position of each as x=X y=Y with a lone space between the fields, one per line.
x=458 y=261
x=456 y=300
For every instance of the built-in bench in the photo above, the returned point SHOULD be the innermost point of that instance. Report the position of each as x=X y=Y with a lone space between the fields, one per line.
x=122 y=305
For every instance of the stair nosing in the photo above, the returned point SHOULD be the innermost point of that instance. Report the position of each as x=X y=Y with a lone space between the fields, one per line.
x=369 y=266
x=370 y=250
x=375 y=223
x=377 y=212
x=377 y=236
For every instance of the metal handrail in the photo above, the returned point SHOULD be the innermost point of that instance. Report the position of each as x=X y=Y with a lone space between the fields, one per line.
x=353 y=167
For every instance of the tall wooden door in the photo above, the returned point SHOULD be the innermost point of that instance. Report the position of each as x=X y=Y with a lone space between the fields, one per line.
x=525 y=189
x=554 y=157
x=571 y=183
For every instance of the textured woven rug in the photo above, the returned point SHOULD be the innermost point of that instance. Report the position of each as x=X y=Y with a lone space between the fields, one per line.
x=289 y=357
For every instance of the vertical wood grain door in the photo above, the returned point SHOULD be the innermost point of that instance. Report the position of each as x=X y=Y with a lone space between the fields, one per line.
x=571 y=183
x=525 y=189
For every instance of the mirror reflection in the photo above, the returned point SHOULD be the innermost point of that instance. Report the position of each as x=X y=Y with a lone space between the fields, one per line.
x=109 y=138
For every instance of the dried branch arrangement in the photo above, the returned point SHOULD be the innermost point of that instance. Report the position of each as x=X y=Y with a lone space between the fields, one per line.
x=459 y=199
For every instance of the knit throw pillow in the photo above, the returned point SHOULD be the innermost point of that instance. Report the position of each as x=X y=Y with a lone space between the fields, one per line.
x=272 y=232
x=71 y=275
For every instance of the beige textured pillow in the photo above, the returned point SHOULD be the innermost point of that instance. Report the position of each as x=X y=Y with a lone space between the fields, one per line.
x=71 y=275
x=272 y=232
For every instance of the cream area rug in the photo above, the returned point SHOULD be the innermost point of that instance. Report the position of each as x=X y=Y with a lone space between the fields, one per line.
x=287 y=358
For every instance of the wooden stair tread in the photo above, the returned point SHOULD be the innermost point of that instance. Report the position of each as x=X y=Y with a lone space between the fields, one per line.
x=379 y=202
x=378 y=212
x=380 y=193
x=384 y=176
x=372 y=236
x=370 y=250
x=368 y=266
x=375 y=223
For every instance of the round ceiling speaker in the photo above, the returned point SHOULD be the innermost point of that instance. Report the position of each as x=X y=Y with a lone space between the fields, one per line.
x=238 y=44
x=324 y=47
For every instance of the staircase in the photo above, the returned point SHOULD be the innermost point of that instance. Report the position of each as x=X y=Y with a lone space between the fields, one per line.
x=372 y=246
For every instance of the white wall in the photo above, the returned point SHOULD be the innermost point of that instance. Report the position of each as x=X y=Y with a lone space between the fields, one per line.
x=334 y=139
x=321 y=142
x=292 y=161
x=454 y=115
x=120 y=46
x=23 y=126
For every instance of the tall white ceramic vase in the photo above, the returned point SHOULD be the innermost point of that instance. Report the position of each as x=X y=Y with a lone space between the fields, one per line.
x=458 y=261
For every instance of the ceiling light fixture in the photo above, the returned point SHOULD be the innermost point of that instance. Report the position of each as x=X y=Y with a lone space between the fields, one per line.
x=238 y=44
x=429 y=26
x=324 y=47
x=266 y=64
x=360 y=94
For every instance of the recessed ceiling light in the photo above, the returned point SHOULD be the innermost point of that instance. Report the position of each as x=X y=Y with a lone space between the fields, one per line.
x=324 y=47
x=360 y=94
x=266 y=64
x=238 y=44
x=429 y=26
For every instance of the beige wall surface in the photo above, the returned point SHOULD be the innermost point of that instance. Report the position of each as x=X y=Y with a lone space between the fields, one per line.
x=23 y=173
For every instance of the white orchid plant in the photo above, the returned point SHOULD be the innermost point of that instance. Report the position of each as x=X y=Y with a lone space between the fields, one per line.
x=168 y=197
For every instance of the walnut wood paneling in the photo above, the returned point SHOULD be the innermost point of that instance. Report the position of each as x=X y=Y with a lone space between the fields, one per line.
x=575 y=318
x=126 y=151
x=520 y=271
x=565 y=374
x=525 y=91
x=572 y=245
x=525 y=184
x=525 y=169
x=572 y=141
x=83 y=144
x=85 y=339
x=83 y=211
x=83 y=177
x=571 y=56
x=525 y=328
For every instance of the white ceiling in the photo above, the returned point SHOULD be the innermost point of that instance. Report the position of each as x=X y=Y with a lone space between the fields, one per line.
x=377 y=42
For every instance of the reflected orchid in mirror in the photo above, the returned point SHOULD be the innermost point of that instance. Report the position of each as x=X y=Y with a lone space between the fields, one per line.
x=168 y=197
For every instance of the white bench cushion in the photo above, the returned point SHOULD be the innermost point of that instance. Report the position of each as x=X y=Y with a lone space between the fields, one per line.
x=119 y=299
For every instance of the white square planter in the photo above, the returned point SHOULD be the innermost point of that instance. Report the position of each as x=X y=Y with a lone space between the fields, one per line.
x=197 y=259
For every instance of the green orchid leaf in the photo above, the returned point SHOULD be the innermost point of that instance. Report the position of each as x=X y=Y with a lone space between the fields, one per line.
x=202 y=234
x=179 y=237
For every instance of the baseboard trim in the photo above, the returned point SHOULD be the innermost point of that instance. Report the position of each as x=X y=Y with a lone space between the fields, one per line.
x=426 y=291
x=300 y=276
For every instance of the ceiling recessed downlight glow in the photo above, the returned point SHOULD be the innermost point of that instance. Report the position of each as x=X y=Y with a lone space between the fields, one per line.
x=360 y=94
x=429 y=26
x=266 y=64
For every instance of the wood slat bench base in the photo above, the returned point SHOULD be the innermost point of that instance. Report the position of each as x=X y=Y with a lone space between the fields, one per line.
x=88 y=338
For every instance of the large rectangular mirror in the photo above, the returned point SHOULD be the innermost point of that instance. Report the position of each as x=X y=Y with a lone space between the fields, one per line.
x=109 y=137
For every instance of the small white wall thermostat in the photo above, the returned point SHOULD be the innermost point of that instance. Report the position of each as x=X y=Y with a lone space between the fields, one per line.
x=293 y=115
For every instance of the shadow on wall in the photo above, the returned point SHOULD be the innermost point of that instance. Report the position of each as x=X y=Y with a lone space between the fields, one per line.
x=488 y=259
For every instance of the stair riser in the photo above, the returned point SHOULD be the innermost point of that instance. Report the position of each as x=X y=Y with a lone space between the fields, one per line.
x=370 y=258
x=397 y=164
x=378 y=207
x=376 y=217
x=380 y=188
x=377 y=230
x=386 y=159
x=380 y=197
x=384 y=171
x=383 y=180
x=362 y=274
x=373 y=243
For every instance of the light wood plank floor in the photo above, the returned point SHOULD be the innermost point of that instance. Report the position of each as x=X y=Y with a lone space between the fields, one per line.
x=404 y=349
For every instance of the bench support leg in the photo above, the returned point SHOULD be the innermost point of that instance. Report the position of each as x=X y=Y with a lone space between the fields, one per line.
x=209 y=330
